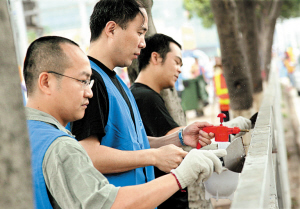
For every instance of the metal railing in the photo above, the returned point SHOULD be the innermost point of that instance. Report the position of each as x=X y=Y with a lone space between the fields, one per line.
x=264 y=182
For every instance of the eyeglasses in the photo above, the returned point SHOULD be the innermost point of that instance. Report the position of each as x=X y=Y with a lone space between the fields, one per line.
x=85 y=83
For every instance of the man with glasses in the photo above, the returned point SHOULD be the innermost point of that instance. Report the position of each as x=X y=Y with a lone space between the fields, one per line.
x=85 y=83
x=57 y=75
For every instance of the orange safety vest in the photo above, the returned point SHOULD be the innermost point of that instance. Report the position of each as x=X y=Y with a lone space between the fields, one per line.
x=289 y=66
x=221 y=91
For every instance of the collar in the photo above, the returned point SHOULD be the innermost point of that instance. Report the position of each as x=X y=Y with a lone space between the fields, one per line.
x=34 y=114
x=109 y=72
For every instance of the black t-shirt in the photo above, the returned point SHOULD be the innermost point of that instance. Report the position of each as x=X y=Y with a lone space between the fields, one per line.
x=96 y=114
x=157 y=122
x=155 y=116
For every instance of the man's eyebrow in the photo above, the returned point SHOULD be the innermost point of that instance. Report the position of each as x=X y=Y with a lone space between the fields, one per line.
x=144 y=28
x=85 y=73
x=180 y=59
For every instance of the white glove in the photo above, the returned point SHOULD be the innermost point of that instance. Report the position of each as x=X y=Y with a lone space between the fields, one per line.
x=198 y=164
x=241 y=122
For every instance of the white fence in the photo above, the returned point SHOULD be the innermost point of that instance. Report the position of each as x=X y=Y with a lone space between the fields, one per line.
x=264 y=180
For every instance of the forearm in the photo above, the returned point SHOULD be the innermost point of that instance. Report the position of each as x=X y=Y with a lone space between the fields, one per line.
x=148 y=195
x=170 y=138
x=174 y=130
x=72 y=179
x=110 y=160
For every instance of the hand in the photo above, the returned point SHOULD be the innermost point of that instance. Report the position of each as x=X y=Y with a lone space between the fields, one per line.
x=199 y=164
x=241 y=122
x=193 y=133
x=169 y=157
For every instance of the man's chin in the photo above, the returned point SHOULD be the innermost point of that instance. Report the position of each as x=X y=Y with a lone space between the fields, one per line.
x=126 y=64
x=169 y=87
x=79 y=117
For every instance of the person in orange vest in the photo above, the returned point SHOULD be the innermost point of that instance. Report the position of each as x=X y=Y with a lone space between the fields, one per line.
x=289 y=63
x=221 y=88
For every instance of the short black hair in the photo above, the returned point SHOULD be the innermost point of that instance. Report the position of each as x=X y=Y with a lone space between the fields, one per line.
x=119 y=11
x=45 y=54
x=159 y=43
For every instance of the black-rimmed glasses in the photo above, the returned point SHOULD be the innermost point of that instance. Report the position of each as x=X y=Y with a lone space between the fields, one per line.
x=85 y=83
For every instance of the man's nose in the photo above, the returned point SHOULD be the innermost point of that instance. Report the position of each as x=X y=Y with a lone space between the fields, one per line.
x=179 y=70
x=142 y=43
x=88 y=92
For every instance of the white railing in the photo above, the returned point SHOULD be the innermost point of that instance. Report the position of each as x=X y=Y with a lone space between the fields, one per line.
x=264 y=182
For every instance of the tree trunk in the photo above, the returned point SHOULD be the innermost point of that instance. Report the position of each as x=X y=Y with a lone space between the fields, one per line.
x=269 y=14
x=251 y=40
x=248 y=25
x=173 y=105
x=15 y=170
x=235 y=68
x=268 y=39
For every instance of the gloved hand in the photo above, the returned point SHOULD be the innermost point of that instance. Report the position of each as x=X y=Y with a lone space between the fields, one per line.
x=241 y=122
x=198 y=164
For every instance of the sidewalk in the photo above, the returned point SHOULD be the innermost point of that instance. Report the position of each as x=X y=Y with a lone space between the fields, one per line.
x=295 y=100
x=291 y=116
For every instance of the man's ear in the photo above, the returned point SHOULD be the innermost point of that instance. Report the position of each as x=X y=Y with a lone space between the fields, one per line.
x=44 y=83
x=155 y=58
x=110 y=28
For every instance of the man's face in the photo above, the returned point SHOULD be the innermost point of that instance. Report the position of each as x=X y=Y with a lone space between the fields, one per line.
x=72 y=96
x=130 y=41
x=171 y=68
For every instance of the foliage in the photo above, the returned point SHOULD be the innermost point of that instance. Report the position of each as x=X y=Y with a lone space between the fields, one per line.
x=202 y=9
x=290 y=8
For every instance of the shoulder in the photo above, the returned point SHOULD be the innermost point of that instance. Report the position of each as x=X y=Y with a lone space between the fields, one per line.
x=99 y=87
x=64 y=147
x=137 y=87
x=96 y=76
x=141 y=91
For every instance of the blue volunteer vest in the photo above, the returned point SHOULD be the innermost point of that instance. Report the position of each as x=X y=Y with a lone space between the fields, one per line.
x=121 y=132
x=41 y=136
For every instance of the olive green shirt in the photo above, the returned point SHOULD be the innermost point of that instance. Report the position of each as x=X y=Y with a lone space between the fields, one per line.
x=70 y=176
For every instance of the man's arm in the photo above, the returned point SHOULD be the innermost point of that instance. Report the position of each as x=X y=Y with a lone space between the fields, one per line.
x=148 y=195
x=191 y=135
x=167 y=156
x=110 y=160
x=75 y=183
x=174 y=130
x=72 y=179
x=158 y=121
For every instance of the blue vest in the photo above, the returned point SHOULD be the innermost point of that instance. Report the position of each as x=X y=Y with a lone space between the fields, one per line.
x=41 y=136
x=121 y=132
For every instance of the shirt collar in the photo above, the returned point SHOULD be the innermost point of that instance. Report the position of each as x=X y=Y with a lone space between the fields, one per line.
x=34 y=114
x=110 y=73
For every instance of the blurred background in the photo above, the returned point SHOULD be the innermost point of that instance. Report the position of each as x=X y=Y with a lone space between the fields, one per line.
x=188 y=22
x=228 y=46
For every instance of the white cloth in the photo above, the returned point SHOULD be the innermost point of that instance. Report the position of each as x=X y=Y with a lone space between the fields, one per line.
x=198 y=165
